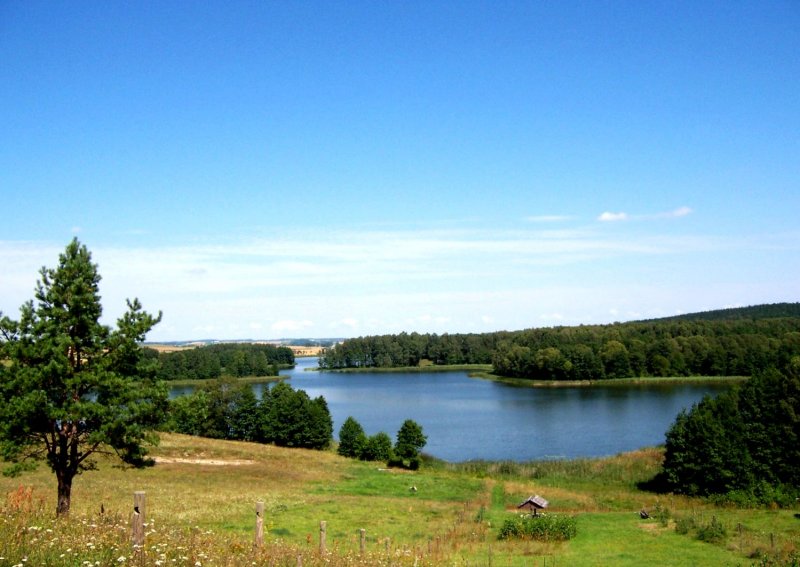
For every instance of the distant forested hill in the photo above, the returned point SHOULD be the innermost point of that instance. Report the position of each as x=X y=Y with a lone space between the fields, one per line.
x=741 y=343
x=767 y=311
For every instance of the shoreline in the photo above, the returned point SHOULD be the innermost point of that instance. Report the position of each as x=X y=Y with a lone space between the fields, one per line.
x=483 y=372
x=243 y=380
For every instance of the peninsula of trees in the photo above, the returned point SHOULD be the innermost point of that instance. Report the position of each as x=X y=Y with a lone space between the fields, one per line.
x=224 y=359
x=730 y=342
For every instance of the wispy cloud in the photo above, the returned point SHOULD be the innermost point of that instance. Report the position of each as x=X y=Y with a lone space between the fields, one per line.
x=362 y=281
x=612 y=217
x=623 y=216
x=677 y=213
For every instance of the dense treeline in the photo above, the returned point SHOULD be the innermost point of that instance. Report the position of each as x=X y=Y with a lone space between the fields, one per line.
x=226 y=409
x=745 y=443
x=680 y=348
x=685 y=347
x=226 y=359
x=393 y=351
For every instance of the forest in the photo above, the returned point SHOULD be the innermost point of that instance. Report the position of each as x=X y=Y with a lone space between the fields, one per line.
x=731 y=342
x=224 y=359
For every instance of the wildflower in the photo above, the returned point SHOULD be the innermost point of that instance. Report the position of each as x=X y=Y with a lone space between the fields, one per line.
x=121 y=559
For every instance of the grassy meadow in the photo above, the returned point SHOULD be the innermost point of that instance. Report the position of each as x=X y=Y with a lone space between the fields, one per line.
x=201 y=497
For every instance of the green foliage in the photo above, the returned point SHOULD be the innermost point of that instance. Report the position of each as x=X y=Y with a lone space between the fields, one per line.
x=410 y=440
x=377 y=448
x=352 y=439
x=661 y=514
x=712 y=532
x=189 y=414
x=685 y=525
x=225 y=409
x=544 y=527
x=227 y=359
x=291 y=419
x=745 y=442
x=72 y=385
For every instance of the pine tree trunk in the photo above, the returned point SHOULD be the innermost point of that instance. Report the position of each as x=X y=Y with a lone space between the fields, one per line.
x=64 y=493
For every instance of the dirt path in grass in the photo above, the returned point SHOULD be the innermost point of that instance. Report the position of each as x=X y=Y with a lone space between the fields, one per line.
x=213 y=462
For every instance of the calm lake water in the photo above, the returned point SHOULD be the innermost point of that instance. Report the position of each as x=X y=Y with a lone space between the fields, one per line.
x=468 y=418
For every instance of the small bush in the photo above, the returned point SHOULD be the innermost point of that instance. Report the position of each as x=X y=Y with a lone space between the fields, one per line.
x=685 y=525
x=549 y=527
x=713 y=532
x=661 y=514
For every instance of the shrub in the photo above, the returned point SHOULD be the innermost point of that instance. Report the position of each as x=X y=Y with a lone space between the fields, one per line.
x=547 y=527
x=661 y=514
x=684 y=525
x=713 y=532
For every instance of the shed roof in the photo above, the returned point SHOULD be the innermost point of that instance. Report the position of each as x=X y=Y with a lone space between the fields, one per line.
x=534 y=502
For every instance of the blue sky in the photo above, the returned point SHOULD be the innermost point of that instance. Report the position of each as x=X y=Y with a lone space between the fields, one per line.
x=276 y=169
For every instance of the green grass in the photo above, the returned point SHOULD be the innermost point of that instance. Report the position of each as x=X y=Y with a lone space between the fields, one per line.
x=204 y=512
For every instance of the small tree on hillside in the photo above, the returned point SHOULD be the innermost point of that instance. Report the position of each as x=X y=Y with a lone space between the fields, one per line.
x=378 y=448
x=410 y=440
x=352 y=439
x=71 y=387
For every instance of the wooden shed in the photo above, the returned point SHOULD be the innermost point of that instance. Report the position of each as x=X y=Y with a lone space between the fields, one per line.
x=534 y=504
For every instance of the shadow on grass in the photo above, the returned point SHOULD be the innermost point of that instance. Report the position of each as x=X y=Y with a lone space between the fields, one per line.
x=657 y=484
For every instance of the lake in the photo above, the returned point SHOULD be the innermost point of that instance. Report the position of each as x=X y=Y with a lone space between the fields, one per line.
x=468 y=418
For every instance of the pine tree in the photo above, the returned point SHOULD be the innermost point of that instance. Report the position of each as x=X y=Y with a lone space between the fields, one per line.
x=71 y=386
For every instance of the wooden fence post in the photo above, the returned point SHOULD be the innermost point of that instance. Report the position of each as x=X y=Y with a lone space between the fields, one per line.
x=138 y=518
x=259 y=524
x=323 y=528
x=363 y=540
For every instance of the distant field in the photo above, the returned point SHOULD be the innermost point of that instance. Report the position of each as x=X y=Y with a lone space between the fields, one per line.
x=299 y=351
x=201 y=496
x=306 y=350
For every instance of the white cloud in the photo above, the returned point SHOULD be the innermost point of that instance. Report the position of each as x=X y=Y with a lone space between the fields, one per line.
x=621 y=216
x=612 y=217
x=677 y=213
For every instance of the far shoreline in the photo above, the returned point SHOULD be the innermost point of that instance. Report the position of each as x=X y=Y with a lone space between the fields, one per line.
x=484 y=372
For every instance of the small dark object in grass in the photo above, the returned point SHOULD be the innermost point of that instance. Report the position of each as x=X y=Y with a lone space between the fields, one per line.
x=797 y=516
